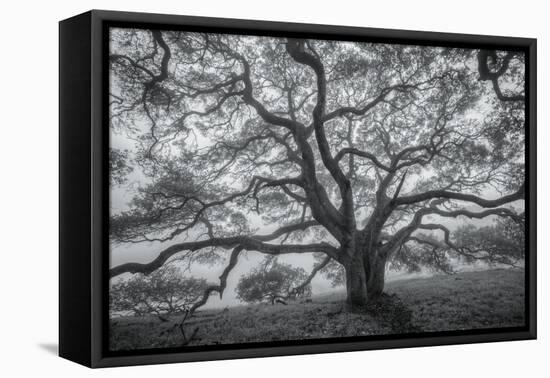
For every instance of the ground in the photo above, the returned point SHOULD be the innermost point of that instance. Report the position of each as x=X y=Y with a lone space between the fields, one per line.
x=473 y=300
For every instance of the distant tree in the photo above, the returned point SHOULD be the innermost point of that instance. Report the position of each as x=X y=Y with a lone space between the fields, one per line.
x=273 y=282
x=501 y=243
x=162 y=293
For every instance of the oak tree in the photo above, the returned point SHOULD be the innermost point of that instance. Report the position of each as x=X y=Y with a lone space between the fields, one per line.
x=273 y=282
x=358 y=152
x=162 y=293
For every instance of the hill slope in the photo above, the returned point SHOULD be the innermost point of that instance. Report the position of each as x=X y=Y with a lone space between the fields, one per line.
x=474 y=300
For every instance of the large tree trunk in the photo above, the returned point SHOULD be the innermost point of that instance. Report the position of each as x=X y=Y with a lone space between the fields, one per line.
x=365 y=277
x=376 y=278
x=356 y=283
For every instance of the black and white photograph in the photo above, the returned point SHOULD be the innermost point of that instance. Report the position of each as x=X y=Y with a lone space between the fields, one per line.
x=244 y=189
x=267 y=189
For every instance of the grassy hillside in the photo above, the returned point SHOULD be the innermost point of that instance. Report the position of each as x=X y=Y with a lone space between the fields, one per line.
x=473 y=300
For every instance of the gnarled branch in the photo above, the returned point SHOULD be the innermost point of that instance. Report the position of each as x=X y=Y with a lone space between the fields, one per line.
x=415 y=198
x=249 y=243
x=485 y=72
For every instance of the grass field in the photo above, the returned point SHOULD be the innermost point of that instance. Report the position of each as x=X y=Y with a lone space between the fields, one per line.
x=473 y=300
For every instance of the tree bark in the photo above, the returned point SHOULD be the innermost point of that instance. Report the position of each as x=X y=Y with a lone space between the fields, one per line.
x=365 y=277
x=356 y=283
x=376 y=278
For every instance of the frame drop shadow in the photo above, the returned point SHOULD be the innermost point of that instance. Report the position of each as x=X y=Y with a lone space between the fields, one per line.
x=52 y=348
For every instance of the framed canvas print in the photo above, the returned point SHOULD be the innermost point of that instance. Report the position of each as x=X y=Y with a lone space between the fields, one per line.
x=234 y=188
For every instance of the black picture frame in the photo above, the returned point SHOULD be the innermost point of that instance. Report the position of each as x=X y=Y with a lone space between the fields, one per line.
x=84 y=196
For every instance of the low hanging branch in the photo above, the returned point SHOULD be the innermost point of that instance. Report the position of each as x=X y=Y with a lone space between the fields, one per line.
x=249 y=243
x=300 y=288
x=233 y=259
x=405 y=234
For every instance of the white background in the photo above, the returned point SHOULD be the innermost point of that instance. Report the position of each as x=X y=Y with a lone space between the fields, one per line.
x=29 y=187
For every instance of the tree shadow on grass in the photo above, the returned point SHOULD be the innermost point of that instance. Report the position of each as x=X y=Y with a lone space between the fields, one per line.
x=391 y=311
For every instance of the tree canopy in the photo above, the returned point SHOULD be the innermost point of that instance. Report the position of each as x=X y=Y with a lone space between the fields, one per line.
x=359 y=152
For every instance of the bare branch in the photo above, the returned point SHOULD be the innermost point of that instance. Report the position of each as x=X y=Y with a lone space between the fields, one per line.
x=298 y=289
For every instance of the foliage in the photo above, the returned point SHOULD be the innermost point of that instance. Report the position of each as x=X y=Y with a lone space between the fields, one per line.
x=162 y=293
x=356 y=151
x=119 y=167
x=500 y=243
x=272 y=281
x=333 y=271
